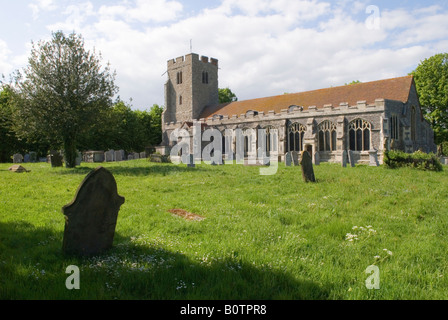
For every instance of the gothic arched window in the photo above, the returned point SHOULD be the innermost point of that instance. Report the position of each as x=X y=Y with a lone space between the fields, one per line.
x=296 y=133
x=359 y=135
x=270 y=140
x=327 y=136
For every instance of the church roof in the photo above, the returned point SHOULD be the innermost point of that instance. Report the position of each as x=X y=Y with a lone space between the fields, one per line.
x=397 y=89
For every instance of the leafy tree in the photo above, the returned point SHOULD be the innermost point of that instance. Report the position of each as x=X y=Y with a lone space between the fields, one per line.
x=8 y=141
x=156 y=125
x=63 y=92
x=226 y=95
x=431 y=80
x=353 y=82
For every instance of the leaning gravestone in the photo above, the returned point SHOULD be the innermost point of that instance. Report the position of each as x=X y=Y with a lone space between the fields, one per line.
x=307 y=167
x=90 y=219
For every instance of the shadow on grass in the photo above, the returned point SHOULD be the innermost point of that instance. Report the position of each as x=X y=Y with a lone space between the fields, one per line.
x=33 y=266
x=127 y=170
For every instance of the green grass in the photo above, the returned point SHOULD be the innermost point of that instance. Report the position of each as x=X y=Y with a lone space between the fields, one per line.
x=264 y=237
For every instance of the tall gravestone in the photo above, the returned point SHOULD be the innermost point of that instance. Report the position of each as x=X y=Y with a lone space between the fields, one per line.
x=90 y=219
x=344 y=159
x=307 y=167
x=288 y=159
x=351 y=158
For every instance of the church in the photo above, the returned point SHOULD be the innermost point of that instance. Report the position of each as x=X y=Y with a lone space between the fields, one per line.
x=359 y=118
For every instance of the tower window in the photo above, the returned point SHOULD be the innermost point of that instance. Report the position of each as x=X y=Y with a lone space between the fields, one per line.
x=179 y=77
x=180 y=99
x=204 y=77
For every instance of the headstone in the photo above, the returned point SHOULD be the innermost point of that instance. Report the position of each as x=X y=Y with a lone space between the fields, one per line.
x=191 y=163
x=373 y=157
x=18 y=168
x=56 y=159
x=33 y=156
x=344 y=159
x=98 y=156
x=26 y=158
x=130 y=157
x=316 y=158
x=351 y=158
x=91 y=217
x=288 y=159
x=295 y=158
x=109 y=156
x=78 y=159
x=118 y=156
x=143 y=155
x=17 y=158
x=307 y=167
x=136 y=155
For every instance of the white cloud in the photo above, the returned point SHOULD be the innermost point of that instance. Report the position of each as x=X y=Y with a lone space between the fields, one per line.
x=143 y=11
x=5 y=65
x=264 y=47
x=41 y=5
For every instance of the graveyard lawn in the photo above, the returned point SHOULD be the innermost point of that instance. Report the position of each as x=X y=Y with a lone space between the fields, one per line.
x=261 y=237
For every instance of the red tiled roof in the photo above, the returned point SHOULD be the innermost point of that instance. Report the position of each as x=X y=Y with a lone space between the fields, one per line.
x=397 y=89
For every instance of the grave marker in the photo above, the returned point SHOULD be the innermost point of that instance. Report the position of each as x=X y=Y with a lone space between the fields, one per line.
x=307 y=167
x=90 y=219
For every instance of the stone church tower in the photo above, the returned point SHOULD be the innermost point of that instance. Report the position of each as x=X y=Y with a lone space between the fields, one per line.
x=192 y=85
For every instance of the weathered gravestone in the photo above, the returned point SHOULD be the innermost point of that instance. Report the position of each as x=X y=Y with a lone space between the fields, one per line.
x=33 y=156
x=17 y=158
x=316 y=158
x=307 y=167
x=373 y=158
x=26 y=158
x=109 y=156
x=351 y=158
x=56 y=159
x=90 y=219
x=118 y=156
x=295 y=157
x=344 y=159
x=288 y=159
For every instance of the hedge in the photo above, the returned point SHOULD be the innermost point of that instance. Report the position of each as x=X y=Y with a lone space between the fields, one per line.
x=417 y=160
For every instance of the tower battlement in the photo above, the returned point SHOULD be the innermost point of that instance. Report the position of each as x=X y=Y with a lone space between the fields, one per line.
x=190 y=58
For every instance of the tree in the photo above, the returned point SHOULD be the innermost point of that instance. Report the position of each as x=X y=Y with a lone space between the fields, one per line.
x=353 y=82
x=63 y=91
x=226 y=95
x=431 y=81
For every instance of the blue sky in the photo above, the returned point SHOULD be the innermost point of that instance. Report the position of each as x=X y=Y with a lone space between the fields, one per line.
x=264 y=47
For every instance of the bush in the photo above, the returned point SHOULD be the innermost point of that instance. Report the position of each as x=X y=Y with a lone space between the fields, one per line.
x=417 y=160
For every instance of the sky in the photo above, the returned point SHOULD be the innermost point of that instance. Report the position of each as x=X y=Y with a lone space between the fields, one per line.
x=264 y=47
